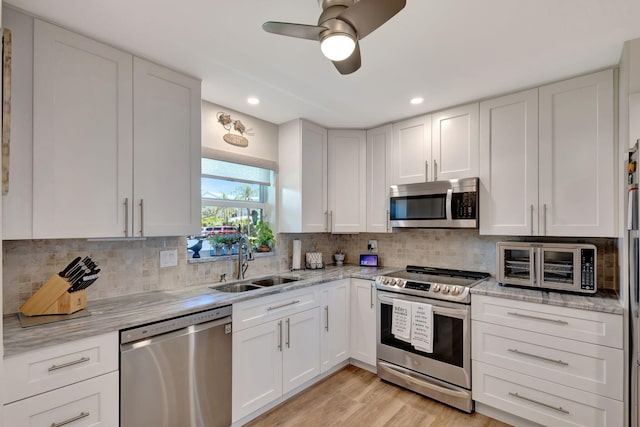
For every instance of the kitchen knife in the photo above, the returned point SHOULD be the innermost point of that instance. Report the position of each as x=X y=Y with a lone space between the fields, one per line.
x=72 y=264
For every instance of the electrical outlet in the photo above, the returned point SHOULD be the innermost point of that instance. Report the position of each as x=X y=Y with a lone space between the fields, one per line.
x=169 y=258
x=373 y=246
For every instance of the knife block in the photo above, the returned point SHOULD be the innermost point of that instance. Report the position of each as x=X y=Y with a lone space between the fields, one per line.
x=53 y=298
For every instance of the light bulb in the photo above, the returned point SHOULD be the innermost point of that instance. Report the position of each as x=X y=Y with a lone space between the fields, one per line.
x=338 y=47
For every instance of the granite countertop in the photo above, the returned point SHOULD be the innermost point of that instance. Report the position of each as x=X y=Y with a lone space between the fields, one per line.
x=605 y=300
x=114 y=314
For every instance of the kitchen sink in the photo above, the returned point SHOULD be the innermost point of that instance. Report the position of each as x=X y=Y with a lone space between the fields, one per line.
x=274 y=280
x=253 y=285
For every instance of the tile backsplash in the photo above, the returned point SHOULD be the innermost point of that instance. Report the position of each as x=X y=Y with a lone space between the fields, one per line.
x=129 y=267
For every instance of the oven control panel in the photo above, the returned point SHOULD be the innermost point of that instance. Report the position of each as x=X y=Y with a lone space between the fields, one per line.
x=428 y=290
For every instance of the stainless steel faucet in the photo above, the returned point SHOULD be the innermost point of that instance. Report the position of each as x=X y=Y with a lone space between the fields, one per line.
x=244 y=256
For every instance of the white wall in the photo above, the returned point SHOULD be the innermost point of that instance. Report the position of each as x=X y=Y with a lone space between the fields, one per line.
x=263 y=144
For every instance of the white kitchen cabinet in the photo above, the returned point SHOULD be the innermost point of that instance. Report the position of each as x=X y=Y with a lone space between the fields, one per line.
x=335 y=323
x=166 y=152
x=302 y=181
x=509 y=164
x=577 y=169
x=116 y=142
x=379 y=146
x=547 y=160
x=363 y=321
x=411 y=151
x=454 y=139
x=347 y=176
x=555 y=366
x=82 y=135
x=276 y=348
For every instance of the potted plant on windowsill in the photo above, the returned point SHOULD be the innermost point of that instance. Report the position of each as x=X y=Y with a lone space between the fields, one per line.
x=265 y=239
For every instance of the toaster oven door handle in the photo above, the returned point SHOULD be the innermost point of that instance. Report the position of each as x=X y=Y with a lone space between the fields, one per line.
x=448 y=204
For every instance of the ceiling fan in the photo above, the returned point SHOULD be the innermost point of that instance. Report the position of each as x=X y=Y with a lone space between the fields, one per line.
x=340 y=26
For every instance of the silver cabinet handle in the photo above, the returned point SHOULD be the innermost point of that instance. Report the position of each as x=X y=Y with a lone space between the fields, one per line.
x=371 y=296
x=526 y=316
x=326 y=314
x=288 y=333
x=388 y=219
x=555 y=408
x=64 y=365
x=275 y=307
x=70 y=420
x=142 y=217
x=532 y=220
x=331 y=221
x=326 y=220
x=535 y=356
x=280 y=335
x=426 y=170
x=126 y=217
x=435 y=170
x=545 y=220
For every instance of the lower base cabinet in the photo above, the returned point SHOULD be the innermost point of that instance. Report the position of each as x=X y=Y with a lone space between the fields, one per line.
x=93 y=402
x=334 y=325
x=363 y=321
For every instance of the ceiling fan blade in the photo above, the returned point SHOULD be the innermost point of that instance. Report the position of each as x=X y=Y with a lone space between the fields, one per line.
x=301 y=31
x=351 y=64
x=367 y=15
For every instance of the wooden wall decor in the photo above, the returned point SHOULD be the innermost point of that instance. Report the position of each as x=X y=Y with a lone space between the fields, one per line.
x=6 y=106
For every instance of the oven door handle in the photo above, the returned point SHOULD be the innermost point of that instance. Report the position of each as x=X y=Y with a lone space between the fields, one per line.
x=451 y=312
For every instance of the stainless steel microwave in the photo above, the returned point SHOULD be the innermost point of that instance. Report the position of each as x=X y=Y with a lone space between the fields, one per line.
x=436 y=204
x=554 y=266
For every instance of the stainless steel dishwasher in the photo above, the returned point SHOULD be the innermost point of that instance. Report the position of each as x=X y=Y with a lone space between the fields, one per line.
x=177 y=372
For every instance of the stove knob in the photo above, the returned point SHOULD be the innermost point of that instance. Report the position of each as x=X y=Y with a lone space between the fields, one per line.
x=445 y=289
x=436 y=288
x=404 y=283
x=396 y=282
x=385 y=280
x=455 y=290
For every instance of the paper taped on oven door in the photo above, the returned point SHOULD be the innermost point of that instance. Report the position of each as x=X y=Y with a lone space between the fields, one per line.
x=401 y=320
x=422 y=327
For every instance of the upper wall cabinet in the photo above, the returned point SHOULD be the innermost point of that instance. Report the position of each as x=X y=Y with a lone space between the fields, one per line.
x=302 y=181
x=379 y=141
x=411 y=150
x=552 y=174
x=454 y=139
x=96 y=172
x=442 y=145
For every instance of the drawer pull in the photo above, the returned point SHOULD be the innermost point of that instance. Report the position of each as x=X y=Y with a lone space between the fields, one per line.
x=526 y=316
x=275 y=307
x=535 y=356
x=70 y=420
x=64 y=365
x=555 y=408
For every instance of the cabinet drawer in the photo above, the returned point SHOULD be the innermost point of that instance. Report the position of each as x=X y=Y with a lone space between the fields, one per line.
x=581 y=325
x=542 y=401
x=589 y=367
x=92 y=403
x=39 y=371
x=260 y=310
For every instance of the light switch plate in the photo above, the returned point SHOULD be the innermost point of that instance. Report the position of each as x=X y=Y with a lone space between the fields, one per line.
x=169 y=258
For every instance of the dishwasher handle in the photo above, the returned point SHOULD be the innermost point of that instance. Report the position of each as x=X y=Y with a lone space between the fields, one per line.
x=188 y=330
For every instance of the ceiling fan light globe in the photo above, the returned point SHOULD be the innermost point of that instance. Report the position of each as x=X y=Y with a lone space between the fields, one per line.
x=338 y=47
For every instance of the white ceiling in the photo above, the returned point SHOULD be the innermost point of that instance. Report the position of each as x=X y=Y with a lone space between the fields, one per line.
x=447 y=51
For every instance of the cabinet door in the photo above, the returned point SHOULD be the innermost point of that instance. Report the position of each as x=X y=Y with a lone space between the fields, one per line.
x=411 y=154
x=577 y=185
x=314 y=178
x=335 y=323
x=347 y=181
x=257 y=367
x=301 y=349
x=454 y=143
x=82 y=135
x=363 y=321
x=378 y=178
x=166 y=152
x=509 y=165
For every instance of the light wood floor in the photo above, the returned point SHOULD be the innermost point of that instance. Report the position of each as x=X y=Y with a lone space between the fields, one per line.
x=355 y=397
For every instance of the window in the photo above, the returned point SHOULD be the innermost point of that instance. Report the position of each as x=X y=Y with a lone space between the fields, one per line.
x=235 y=198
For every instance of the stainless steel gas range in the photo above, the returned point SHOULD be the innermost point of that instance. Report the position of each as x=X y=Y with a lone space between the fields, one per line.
x=443 y=370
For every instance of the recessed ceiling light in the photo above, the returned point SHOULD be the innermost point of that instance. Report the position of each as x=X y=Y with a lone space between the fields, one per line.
x=417 y=100
x=253 y=100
